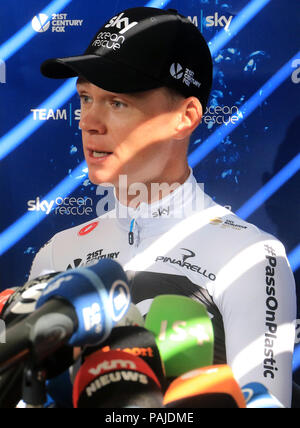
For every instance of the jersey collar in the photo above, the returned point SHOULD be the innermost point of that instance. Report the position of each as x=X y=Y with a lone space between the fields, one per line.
x=162 y=215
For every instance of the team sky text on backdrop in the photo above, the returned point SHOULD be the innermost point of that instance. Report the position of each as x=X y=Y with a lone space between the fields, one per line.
x=214 y=115
x=41 y=23
x=59 y=22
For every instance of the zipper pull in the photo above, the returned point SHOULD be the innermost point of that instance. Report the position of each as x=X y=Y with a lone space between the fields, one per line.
x=131 y=238
x=131 y=234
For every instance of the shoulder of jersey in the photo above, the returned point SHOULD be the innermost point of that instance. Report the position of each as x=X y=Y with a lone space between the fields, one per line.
x=87 y=228
x=225 y=224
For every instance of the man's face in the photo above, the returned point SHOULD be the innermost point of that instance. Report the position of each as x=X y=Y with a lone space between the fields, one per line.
x=127 y=134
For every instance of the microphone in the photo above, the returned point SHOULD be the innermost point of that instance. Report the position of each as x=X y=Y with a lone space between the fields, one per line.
x=132 y=317
x=258 y=397
x=80 y=306
x=4 y=297
x=136 y=341
x=22 y=301
x=59 y=388
x=16 y=304
x=116 y=379
x=100 y=296
x=183 y=331
x=209 y=387
x=11 y=387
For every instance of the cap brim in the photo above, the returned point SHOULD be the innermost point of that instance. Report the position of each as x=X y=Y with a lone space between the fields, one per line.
x=102 y=72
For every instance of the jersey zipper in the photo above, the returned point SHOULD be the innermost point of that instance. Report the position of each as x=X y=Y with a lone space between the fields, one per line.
x=131 y=234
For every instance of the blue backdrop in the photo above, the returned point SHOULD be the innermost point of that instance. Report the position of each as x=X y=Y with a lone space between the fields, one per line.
x=247 y=151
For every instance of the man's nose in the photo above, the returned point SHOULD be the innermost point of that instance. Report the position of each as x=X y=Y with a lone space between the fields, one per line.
x=91 y=120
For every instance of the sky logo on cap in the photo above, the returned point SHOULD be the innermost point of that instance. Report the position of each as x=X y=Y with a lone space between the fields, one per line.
x=41 y=23
x=120 y=299
x=121 y=22
x=176 y=71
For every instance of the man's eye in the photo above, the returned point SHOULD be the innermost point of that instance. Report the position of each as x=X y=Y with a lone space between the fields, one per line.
x=84 y=99
x=116 y=104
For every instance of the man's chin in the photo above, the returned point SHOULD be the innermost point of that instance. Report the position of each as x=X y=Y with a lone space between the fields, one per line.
x=101 y=179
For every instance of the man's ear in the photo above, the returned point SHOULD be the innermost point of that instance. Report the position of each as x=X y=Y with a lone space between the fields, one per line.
x=189 y=117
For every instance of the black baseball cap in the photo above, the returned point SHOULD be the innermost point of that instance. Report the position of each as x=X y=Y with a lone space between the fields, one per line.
x=140 y=49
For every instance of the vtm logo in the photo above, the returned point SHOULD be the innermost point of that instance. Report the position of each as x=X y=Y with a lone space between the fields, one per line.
x=41 y=23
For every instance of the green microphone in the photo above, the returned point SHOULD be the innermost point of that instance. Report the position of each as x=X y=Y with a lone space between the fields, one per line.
x=183 y=331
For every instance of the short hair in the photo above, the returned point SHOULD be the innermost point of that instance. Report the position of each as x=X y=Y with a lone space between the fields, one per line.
x=173 y=95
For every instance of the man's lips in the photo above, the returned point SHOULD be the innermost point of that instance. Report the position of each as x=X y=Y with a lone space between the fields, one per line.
x=97 y=155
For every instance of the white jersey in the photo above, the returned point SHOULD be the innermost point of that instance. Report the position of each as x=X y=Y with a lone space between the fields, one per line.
x=187 y=244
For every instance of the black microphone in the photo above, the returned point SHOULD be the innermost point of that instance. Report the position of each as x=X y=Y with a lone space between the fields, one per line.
x=60 y=389
x=23 y=300
x=116 y=379
x=16 y=304
x=80 y=307
x=11 y=387
x=136 y=341
x=22 y=303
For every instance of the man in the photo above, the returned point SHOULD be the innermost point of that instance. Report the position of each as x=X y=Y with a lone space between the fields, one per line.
x=144 y=83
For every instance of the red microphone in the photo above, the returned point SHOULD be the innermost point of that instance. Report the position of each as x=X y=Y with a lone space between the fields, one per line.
x=137 y=341
x=4 y=296
x=116 y=379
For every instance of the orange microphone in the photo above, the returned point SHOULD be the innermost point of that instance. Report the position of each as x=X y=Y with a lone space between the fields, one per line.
x=208 y=387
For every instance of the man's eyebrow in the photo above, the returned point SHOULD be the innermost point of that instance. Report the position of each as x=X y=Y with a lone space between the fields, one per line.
x=139 y=95
x=81 y=80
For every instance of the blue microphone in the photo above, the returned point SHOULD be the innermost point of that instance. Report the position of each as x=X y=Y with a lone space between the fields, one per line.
x=258 y=397
x=99 y=294
x=78 y=307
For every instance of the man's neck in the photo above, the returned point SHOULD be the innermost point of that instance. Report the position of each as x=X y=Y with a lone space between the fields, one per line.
x=151 y=192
